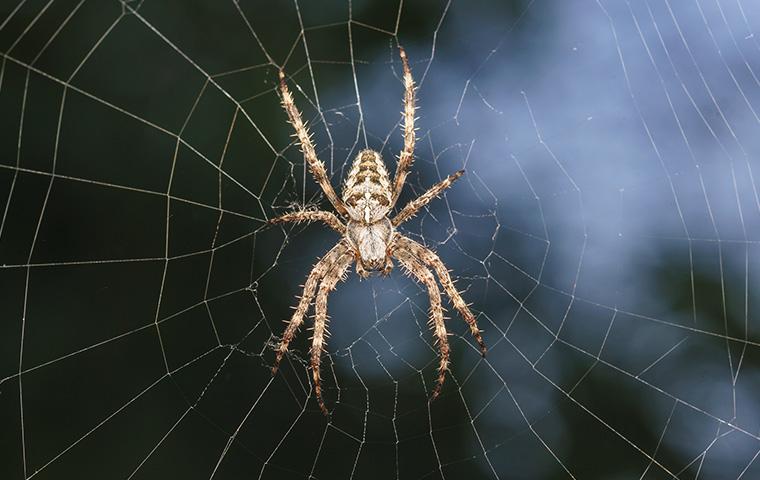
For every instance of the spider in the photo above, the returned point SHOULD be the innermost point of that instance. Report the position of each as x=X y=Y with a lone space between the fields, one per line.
x=369 y=236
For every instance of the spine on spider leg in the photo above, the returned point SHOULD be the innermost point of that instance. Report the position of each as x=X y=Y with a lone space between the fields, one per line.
x=431 y=318
x=437 y=321
x=407 y=154
x=409 y=106
x=300 y=310
x=287 y=337
x=316 y=166
x=468 y=316
x=476 y=333
x=463 y=309
x=318 y=393
x=443 y=367
x=460 y=306
x=301 y=130
x=305 y=215
x=321 y=321
x=317 y=349
x=411 y=208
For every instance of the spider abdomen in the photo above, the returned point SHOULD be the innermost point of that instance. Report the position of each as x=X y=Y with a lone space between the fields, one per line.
x=367 y=191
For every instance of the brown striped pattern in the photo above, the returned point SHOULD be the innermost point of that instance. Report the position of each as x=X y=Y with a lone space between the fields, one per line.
x=367 y=192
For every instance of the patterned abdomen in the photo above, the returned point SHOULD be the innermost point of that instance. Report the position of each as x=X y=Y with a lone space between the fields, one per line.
x=367 y=192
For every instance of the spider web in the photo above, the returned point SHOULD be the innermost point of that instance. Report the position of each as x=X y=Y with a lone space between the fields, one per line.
x=606 y=234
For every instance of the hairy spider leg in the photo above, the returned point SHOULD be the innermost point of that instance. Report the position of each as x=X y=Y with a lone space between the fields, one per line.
x=406 y=158
x=429 y=258
x=307 y=147
x=423 y=275
x=327 y=218
x=415 y=205
x=321 y=268
x=337 y=273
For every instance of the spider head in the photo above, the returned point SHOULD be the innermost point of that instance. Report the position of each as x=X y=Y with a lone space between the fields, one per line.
x=371 y=242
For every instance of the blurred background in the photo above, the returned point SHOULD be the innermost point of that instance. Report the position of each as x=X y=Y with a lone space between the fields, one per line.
x=606 y=233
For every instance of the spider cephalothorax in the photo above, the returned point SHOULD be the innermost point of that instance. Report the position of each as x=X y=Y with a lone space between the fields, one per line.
x=369 y=236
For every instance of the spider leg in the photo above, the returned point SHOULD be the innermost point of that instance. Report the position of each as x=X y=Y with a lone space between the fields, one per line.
x=425 y=276
x=327 y=285
x=311 y=216
x=307 y=147
x=429 y=258
x=320 y=270
x=406 y=157
x=414 y=206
